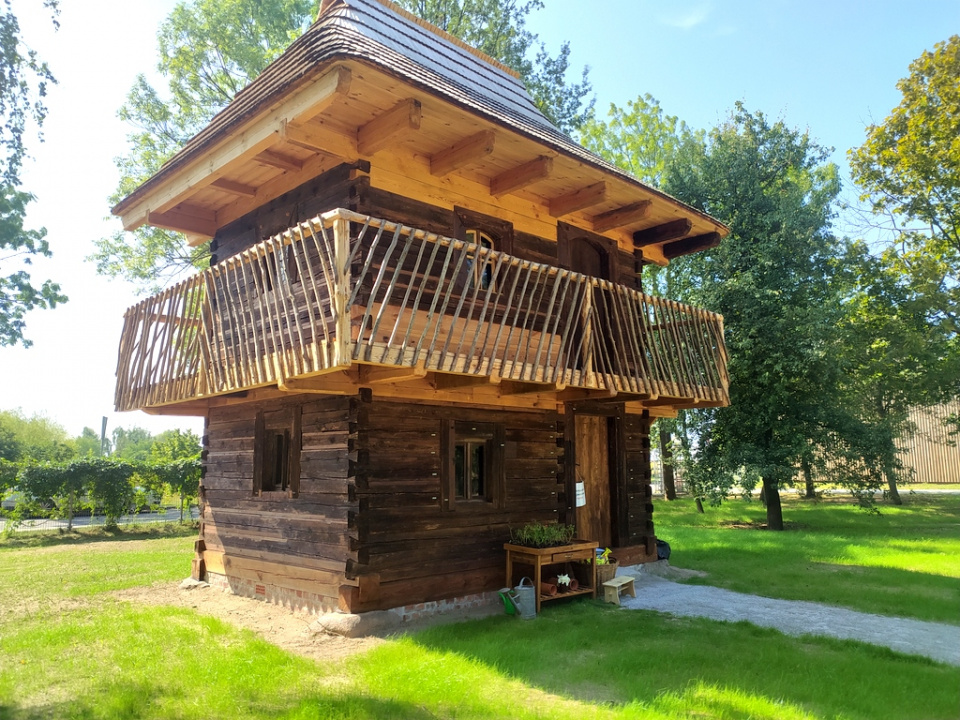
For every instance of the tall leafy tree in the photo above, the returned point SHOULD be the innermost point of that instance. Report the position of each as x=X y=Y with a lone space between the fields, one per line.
x=770 y=279
x=23 y=86
x=211 y=49
x=909 y=171
x=893 y=358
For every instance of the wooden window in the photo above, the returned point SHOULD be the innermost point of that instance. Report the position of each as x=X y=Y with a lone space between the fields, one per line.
x=481 y=272
x=276 y=453
x=472 y=463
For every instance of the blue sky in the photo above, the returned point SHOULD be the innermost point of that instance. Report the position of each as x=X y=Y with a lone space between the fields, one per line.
x=829 y=67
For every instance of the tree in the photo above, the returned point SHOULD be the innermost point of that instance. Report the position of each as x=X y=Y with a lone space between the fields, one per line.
x=133 y=444
x=175 y=457
x=770 y=279
x=88 y=443
x=893 y=358
x=909 y=171
x=36 y=438
x=211 y=49
x=23 y=85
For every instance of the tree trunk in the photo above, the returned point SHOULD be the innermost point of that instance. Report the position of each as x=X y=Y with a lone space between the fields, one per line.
x=811 y=493
x=774 y=511
x=700 y=506
x=891 y=477
x=666 y=466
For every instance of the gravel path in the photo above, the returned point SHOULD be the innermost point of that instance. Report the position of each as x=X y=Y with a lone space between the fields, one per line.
x=793 y=617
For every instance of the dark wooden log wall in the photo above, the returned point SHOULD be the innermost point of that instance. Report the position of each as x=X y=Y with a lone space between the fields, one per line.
x=302 y=543
x=348 y=186
x=411 y=549
x=639 y=492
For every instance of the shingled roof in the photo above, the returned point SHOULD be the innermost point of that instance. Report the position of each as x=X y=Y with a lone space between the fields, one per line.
x=378 y=32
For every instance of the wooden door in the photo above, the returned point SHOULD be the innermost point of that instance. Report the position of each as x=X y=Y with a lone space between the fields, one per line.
x=593 y=469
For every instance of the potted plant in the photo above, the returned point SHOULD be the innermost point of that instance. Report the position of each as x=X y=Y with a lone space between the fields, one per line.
x=542 y=535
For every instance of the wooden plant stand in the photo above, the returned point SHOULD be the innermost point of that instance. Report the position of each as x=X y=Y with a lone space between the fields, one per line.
x=539 y=558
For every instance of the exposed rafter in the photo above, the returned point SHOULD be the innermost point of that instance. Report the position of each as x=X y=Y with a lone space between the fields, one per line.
x=620 y=216
x=374 y=375
x=521 y=176
x=195 y=221
x=310 y=137
x=234 y=188
x=579 y=199
x=238 y=149
x=389 y=127
x=280 y=161
x=662 y=233
x=690 y=245
x=466 y=151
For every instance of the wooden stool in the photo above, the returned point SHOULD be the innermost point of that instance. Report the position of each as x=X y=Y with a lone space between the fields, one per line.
x=613 y=588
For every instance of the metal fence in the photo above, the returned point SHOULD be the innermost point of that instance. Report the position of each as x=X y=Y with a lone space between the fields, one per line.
x=37 y=524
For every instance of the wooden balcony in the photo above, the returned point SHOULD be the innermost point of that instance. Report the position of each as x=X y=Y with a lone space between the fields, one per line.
x=344 y=289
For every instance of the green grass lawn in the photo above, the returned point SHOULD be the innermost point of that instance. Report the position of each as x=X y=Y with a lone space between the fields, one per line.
x=904 y=561
x=71 y=649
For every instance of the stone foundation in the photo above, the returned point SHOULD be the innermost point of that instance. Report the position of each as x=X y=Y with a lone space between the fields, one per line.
x=314 y=604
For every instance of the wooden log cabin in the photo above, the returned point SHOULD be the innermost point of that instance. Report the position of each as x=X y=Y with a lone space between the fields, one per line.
x=421 y=325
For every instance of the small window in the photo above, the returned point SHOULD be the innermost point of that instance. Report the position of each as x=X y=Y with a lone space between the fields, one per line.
x=276 y=456
x=480 y=272
x=473 y=463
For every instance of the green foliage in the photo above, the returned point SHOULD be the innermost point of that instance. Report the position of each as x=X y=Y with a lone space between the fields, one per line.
x=909 y=168
x=209 y=50
x=23 y=87
x=542 y=535
x=134 y=444
x=771 y=280
x=88 y=443
x=638 y=138
x=499 y=29
x=33 y=439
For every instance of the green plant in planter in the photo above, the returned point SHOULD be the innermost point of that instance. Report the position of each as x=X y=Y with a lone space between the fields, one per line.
x=542 y=535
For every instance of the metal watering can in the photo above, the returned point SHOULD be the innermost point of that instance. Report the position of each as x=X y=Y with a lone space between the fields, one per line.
x=525 y=599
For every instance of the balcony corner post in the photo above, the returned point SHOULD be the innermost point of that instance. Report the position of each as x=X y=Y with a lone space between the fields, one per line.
x=341 y=241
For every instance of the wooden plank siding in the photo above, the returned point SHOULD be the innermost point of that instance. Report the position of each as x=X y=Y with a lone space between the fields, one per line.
x=932 y=452
x=297 y=543
x=415 y=548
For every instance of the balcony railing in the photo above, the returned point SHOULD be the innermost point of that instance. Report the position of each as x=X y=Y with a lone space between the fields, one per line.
x=344 y=288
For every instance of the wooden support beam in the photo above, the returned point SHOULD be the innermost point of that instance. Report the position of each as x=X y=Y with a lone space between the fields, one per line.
x=186 y=220
x=371 y=375
x=466 y=151
x=234 y=188
x=445 y=381
x=521 y=176
x=389 y=127
x=657 y=401
x=279 y=160
x=690 y=245
x=620 y=216
x=237 y=148
x=513 y=387
x=579 y=199
x=662 y=233
x=312 y=138
x=580 y=394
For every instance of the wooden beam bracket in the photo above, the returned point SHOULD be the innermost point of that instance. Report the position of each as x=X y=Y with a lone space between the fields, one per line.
x=580 y=199
x=468 y=150
x=521 y=176
x=389 y=127
x=620 y=216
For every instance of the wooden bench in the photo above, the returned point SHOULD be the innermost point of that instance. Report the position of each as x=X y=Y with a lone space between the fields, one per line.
x=612 y=589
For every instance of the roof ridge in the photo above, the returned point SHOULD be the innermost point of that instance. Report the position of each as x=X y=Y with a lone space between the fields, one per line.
x=328 y=5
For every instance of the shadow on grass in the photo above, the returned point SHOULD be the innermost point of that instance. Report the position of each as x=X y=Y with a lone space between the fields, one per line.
x=652 y=659
x=138 y=701
x=87 y=535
